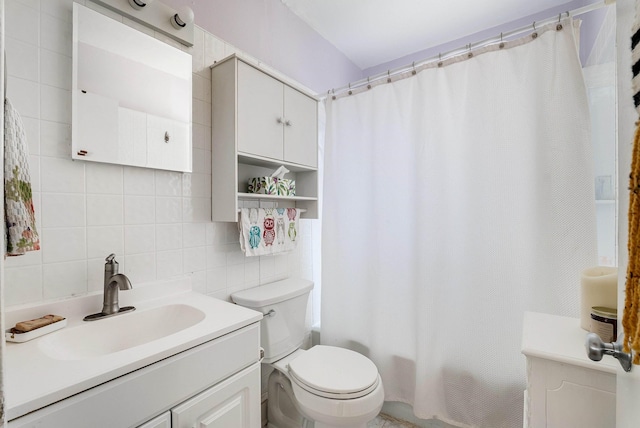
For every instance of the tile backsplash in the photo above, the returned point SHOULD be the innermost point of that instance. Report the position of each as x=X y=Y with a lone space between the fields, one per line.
x=157 y=222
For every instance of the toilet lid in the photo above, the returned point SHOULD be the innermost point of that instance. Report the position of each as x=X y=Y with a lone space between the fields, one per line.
x=334 y=372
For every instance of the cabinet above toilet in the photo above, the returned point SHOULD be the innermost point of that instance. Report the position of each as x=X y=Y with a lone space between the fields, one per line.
x=259 y=122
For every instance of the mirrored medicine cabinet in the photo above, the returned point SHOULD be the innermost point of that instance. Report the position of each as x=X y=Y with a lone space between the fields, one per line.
x=131 y=100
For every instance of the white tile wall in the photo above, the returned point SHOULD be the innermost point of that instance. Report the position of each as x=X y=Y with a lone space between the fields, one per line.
x=157 y=222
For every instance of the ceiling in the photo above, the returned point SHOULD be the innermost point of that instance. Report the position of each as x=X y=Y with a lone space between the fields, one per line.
x=372 y=32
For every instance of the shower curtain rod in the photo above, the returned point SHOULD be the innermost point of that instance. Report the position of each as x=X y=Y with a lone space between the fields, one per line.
x=467 y=48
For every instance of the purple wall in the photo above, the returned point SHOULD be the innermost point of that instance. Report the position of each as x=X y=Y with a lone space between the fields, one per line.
x=591 y=24
x=270 y=32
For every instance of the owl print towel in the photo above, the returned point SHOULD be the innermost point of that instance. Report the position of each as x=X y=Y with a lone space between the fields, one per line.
x=266 y=231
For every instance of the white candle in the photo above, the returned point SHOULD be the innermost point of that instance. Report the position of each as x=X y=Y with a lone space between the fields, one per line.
x=599 y=288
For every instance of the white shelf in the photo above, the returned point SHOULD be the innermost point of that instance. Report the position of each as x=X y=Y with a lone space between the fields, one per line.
x=301 y=210
x=274 y=197
x=271 y=163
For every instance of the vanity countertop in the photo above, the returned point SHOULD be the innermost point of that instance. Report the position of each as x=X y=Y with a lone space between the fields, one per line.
x=35 y=379
x=560 y=339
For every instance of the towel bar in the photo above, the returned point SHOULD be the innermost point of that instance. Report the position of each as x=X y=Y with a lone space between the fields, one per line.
x=302 y=210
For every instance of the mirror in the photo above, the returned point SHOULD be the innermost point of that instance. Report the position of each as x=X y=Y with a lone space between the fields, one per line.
x=131 y=96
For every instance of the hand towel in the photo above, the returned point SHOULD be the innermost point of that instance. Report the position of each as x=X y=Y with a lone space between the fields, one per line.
x=265 y=231
x=19 y=215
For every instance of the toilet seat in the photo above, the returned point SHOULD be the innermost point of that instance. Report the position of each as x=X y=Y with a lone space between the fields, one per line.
x=336 y=373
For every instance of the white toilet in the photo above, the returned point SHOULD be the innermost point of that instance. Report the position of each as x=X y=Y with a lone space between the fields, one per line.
x=331 y=386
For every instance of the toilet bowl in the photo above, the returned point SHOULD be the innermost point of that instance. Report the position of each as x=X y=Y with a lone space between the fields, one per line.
x=331 y=386
x=334 y=387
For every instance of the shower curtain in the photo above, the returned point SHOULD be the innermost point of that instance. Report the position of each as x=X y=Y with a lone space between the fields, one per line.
x=454 y=200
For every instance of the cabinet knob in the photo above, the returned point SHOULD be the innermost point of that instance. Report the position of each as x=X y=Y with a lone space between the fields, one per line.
x=167 y=137
x=596 y=348
x=288 y=123
x=279 y=121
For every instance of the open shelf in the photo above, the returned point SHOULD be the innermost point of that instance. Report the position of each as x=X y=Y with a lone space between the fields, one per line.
x=274 y=197
x=271 y=163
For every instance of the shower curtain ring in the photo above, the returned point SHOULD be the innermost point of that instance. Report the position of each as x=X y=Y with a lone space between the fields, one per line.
x=559 y=25
x=440 y=59
x=388 y=76
x=368 y=82
x=501 y=45
x=414 y=68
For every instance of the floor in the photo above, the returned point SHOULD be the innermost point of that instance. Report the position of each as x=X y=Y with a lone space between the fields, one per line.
x=384 y=421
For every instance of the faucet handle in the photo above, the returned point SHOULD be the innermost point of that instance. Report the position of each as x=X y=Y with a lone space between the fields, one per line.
x=111 y=265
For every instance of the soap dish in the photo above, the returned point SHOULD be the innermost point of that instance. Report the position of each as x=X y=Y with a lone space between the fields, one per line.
x=29 y=335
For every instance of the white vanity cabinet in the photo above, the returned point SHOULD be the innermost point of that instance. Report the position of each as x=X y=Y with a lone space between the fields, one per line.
x=260 y=122
x=162 y=421
x=228 y=404
x=215 y=384
x=564 y=388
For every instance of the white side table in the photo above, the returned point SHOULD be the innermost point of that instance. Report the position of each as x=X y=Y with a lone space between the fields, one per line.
x=564 y=388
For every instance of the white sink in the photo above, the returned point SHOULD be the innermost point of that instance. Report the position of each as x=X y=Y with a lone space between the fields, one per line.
x=169 y=319
x=109 y=335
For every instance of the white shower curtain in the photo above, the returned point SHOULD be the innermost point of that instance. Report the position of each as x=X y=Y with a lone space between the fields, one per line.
x=455 y=200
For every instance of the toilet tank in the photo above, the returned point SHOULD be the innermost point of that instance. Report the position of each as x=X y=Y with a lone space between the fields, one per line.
x=281 y=331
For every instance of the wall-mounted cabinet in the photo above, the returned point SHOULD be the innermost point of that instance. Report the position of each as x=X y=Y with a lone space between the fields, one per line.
x=131 y=96
x=259 y=123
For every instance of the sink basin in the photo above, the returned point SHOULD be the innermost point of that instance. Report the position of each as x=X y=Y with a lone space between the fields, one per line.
x=118 y=333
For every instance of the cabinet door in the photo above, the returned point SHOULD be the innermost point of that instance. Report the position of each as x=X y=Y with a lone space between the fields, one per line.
x=132 y=137
x=301 y=128
x=162 y=421
x=232 y=403
x=96 y=134
x=554 y=387
x=260 y=113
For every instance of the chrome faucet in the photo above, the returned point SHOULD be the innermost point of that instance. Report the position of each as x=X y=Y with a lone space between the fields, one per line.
x=113 y=281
